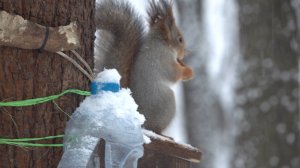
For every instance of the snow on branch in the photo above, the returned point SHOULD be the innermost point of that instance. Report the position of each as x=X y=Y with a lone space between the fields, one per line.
x=15 y=31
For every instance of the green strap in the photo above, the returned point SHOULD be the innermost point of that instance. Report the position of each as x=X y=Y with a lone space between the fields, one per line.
x=30 y=102
x=25 y=142
x=31 y=139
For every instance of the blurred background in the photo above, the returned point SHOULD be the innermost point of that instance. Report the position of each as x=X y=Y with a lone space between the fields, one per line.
x=242 y=107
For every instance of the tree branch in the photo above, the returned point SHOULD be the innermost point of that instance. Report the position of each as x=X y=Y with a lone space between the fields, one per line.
x=169 y=147
x=15 y=31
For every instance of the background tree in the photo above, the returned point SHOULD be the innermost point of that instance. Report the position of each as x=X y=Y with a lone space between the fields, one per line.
x=26 y=74
x=268 y=96
x=202 y=107
x=269 y=93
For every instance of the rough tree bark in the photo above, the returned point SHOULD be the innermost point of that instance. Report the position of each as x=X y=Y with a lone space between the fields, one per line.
x=28 y=74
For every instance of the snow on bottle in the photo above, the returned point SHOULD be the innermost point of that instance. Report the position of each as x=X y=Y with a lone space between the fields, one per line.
x=110 y=113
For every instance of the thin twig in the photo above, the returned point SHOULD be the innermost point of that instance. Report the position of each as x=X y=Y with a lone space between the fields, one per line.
x=59 y=108
x=13 y=120
x=84 y=62
x=76 y=64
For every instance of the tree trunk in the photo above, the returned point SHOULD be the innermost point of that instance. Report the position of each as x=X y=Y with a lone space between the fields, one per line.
x=203 y=111
x=26 y=74
x=270 y=45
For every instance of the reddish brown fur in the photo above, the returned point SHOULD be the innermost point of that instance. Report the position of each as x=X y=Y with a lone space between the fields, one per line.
x=163 y=23
x=183 y=72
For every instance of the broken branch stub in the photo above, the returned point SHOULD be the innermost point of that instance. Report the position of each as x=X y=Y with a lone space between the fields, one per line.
x=15 y=31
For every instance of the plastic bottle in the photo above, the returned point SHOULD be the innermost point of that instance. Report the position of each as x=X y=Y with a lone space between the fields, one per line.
x=110 y=113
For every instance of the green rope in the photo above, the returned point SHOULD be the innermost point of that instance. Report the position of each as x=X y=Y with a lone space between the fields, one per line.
x=25 y=142
x=31 y=139
x=30 y=102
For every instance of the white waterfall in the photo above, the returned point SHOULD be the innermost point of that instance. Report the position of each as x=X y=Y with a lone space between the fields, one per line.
x=220 y=18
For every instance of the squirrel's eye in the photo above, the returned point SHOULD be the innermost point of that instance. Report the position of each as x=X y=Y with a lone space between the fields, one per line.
x=180 y=39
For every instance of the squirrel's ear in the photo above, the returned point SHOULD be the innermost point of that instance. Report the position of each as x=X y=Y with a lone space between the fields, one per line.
x=155 y=19
x=159 y=11
x=154 y=13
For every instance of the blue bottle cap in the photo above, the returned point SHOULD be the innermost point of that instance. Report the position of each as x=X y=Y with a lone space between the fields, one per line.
x=96 y=87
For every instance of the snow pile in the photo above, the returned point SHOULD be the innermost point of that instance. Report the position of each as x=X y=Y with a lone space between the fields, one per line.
x=107 y=115
x=110 y=75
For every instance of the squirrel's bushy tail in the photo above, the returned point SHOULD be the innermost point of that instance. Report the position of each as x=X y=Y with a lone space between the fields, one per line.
x=120 y=32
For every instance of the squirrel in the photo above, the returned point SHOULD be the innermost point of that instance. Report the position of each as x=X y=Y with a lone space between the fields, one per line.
x=149 y=62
